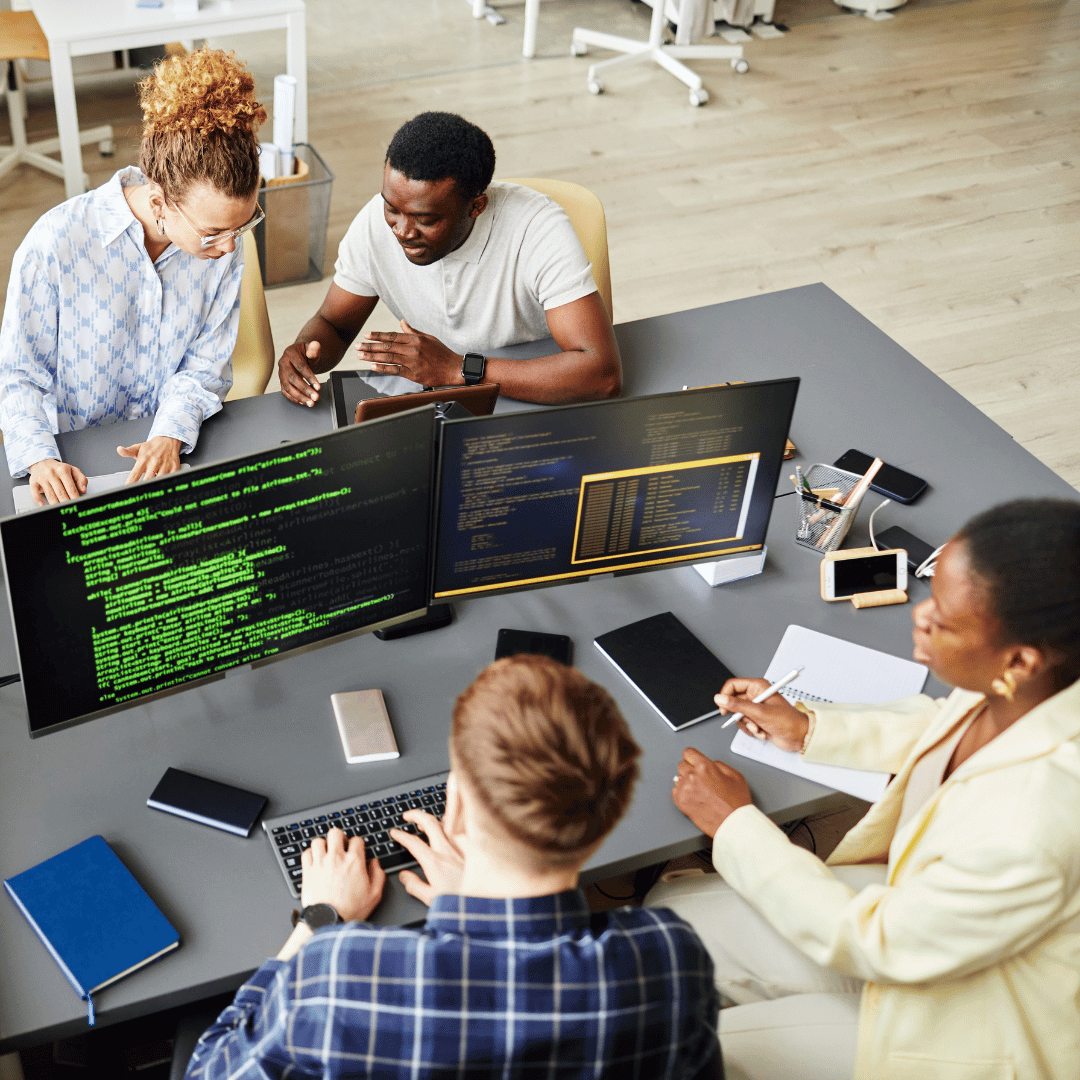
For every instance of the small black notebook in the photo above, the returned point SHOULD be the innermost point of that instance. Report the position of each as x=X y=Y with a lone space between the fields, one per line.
x=209 y=802
x=668 y=666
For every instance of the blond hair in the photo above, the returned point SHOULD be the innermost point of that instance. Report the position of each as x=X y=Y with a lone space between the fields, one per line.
x=199 y=122
x=547 y=753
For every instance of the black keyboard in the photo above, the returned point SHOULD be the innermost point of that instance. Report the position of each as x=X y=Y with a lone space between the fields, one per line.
x=369 y=816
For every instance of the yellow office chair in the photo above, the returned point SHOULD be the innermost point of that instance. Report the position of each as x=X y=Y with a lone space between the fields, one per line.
x=586 y=214
x=253 y=356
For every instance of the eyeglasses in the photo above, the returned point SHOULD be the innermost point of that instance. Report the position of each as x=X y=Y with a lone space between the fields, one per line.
x=221 y=238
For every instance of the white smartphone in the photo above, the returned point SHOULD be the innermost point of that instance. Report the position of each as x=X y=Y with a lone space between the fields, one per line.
x=364 y=726
x=862 y=570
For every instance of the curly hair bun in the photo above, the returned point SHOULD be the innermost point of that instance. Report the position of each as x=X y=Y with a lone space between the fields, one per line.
x=200 y=93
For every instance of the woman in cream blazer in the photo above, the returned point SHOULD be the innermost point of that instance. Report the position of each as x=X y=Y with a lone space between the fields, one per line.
x=968 y=950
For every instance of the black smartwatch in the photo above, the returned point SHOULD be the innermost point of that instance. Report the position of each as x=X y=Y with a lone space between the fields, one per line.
x=316 y=916
x=473 y=366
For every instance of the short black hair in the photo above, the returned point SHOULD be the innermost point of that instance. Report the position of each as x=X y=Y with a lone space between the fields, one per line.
x=1027 y=555
x=435 y=145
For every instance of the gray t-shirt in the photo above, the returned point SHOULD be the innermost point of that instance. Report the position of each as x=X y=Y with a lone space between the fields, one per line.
x=521 y=258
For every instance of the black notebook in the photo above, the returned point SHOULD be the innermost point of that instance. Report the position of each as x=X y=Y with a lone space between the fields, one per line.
x=209 y=802
x=668 y=666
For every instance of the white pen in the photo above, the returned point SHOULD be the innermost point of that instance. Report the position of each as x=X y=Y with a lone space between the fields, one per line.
x=766 y=693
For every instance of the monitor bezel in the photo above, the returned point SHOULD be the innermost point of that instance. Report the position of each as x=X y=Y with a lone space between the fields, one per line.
x=568 y=579
x=186 y=475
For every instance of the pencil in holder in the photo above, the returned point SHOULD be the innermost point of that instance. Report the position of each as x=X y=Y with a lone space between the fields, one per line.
x=824 y=522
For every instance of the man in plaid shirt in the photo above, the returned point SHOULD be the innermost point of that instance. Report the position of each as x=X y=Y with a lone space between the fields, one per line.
x=510 y=976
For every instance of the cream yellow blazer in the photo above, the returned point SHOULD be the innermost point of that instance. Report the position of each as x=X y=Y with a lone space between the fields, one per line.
x=971 y=949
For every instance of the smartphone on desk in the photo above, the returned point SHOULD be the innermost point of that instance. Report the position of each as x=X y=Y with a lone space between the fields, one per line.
x=903 y=487
x=512 y=642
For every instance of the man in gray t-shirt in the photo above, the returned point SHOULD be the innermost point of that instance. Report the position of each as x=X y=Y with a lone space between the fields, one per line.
x=468 y=267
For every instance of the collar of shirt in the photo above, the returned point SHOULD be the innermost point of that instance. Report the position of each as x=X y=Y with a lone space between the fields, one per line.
x=475 y=243
x=112 y=214
x=509 y=918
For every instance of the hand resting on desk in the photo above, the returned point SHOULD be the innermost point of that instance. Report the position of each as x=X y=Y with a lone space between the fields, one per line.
x=53 y=481
x=708 y=791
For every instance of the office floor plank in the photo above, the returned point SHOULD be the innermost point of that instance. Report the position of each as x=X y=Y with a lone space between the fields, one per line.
x=924 y=167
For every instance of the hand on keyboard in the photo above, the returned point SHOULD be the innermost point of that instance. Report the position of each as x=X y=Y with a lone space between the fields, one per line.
x=337 y=872
x=440 y=858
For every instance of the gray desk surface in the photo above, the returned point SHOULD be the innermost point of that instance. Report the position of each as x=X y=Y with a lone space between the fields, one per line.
x=272 y=730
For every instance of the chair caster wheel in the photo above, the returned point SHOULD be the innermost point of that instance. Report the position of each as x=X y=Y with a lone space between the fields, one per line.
x=106 y=148
x=741 y=66
x=699 y=97
x=578 y=48
x=596 y=86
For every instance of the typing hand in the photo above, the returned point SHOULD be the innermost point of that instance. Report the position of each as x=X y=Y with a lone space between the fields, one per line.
x=774 y=719
x=155 y=457
x=298 y=381
x=52 y=481
x=337 y=873
x=440 y=858
x=408 y=352
x=708 y=791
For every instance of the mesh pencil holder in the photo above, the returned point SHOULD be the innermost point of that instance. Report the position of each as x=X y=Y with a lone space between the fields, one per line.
x=822 y=524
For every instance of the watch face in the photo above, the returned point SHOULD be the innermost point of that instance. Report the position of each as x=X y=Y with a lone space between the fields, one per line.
x=319 y=915
x=473 y=364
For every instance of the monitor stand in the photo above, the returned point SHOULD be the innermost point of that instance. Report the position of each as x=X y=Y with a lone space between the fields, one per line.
x=436 y=617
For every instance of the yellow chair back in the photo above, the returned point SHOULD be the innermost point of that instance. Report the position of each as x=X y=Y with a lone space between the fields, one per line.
x=586 y=214
x=253 y=357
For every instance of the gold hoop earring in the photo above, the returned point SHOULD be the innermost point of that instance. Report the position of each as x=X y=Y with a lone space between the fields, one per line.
x=1005 y=686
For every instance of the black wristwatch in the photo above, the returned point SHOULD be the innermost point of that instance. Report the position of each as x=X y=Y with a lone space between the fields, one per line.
x=316 y=916
x=473 y=366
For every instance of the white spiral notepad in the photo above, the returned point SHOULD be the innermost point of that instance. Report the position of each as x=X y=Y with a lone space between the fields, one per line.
x=833 y=670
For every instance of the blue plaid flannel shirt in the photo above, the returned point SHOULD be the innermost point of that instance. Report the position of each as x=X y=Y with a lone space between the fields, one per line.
x=509 y=988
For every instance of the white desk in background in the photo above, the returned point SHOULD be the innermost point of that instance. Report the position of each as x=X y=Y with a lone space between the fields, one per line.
x=83 y=27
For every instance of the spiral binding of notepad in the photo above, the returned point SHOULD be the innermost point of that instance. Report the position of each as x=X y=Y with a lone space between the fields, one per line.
x=793 y=694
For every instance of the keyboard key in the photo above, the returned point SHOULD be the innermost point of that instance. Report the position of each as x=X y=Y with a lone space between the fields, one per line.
x=428 y=800
x=279 y=828
x=362 y=815
x=296 y=875
x=292 y=862
x=415 y=804
x=348 y=821
x=305 y=844
x=350 y=833
x=396 y=860
x=318 y=819
x=293 y=827
x=417 y=792
x=377 y=850
x=335 y=814
x=289 y=849
x=322 y=828
x=281 y=839
x=380 y=838
x=308 y=832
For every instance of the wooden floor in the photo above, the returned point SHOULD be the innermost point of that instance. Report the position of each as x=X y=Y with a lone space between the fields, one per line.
x=924 y=167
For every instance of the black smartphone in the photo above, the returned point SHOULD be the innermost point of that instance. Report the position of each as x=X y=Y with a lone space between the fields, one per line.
x=902 y=486
x=209 y=802
x=512 y=642
x=918 y=551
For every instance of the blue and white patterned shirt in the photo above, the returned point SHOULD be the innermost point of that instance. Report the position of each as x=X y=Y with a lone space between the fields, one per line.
x=519 y=989
x=94 y=332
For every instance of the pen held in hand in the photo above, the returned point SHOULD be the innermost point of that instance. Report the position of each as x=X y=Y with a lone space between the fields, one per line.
x=765 y=695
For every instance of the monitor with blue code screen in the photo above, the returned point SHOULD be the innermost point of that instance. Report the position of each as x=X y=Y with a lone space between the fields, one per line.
x=542 y=497
x=150 y=588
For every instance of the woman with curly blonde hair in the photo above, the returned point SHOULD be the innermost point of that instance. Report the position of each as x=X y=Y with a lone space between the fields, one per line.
x=124 y=302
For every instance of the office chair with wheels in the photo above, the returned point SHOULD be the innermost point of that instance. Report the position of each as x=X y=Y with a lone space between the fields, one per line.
x=21 y=39
x=667 y=56
x=253 y=357
x=586 y=214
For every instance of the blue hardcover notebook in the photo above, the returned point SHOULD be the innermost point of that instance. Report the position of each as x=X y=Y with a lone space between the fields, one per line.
x=92 y=915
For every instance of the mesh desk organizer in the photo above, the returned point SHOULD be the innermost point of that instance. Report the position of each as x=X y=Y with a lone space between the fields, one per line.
x=822 y=523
